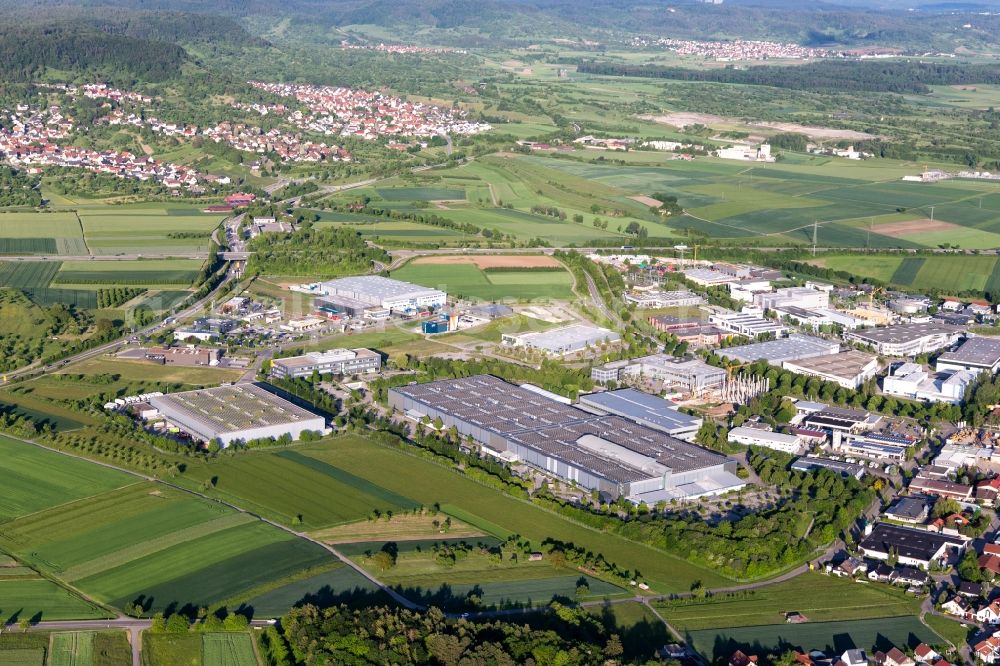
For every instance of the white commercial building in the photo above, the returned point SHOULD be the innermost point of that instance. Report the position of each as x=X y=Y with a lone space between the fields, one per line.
x=980 y=354
x=776 y=352
x=814 y=318
x=562 y=341
x=334 y=361
x=849 y=369
x=748 y=324
x=911 y=380
x=800 y=297
x=708 y=277
x=907 y=339
x=771 y=440
x=393 y=295
x=645 y=298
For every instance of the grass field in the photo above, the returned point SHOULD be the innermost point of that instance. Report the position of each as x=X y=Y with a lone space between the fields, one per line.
x=24 y=233
x=227 y=650
x=72 y=648
x=945 y=273
x=468 y=281
x=35 y=598
x=331 y=586
x=23 y=657
x=819 y=597
x=59 y=417
x=21 y=274
x=171 y=649
x=127 y=370
x=829 y=637
x=426 y=482
x=138 y=229
x=950 y=630
x=420 y=193
x=34 y=479
x=145 y=273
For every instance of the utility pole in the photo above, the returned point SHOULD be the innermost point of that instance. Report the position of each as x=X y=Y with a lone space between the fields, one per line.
x=932 y=213
x=815 y=226
x=871 y=223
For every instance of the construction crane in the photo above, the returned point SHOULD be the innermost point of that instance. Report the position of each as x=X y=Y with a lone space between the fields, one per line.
x=871 y=296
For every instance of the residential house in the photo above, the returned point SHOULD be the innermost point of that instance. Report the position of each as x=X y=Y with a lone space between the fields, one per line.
x=989 y=614
x=988 y=650
x=854 y=658
x=971 y=590
x=896 y=657
x=987 y=491
x=739 y=658
x=925 y=653
x=911 y=576
x=850 y=567
x=958 y=606
x=991 y=563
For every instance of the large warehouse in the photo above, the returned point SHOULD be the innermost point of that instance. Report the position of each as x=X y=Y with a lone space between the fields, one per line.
x=776 y=352
x=375 y=290
x=907 y=339
x=602 y=452
x=977 y=354
x=648 y=410
x=235 y=413
x=562 y=341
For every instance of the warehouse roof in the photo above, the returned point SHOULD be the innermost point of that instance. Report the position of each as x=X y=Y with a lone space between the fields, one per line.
x=907 y=541
x=642 y=408
x=330 y=356
x=845 y=365
x=979 y=352
x=377 y=287
x=792 y=348
x=226 y=409
x=546 y=425
x=902 y=333
x=568 y=337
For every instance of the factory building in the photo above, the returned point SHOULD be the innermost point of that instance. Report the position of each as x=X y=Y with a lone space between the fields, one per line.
x=747 y=323
x=912 y=381
x=334 y=362
x=911 y=546
x=607 y=453
x=381 y=292
x=849 y=369
x=812 y=464
x=693 y=375
x=776 y=352
x=562 y=341
x=772 y=440
x=800 y=297
x=979 y=354
x=235 y=413
x=645 y=409
x=654 y=298
x=907 y=339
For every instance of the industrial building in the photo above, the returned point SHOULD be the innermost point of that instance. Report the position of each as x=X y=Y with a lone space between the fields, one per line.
x=907 y=339
x=707 y=277
x=771 y=440
x=800 y=297
x=334 y=362
x=816 y=317
x=377 y=291
x=811 y=464
x=912 y=381
x=645 y=409
x=235 y=413
x=849 y=369
x=912 y=546
x=979 y=354
x=562 y=341
x=776 y=352
x=608 y=453
x=646 y=298
x=747 y=323
x=691 y=374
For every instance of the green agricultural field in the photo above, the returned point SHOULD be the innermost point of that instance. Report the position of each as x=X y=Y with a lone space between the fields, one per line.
x=38 y=598
x=944 y=273
x=829 y=637
x=421 y=193
x=819 y=597
x=426 y=482
x=27 y=274
x=23 y=657
x=171 y=649
x=137 y=230
x=42 y=411
x=227 y=650
x=41 y=233
x=34 y=479
x=298 y=488
x=137 y=371
x=331 y=586
x=72 y=648
x=398 y=230
x=144 y=273
x=468 y=281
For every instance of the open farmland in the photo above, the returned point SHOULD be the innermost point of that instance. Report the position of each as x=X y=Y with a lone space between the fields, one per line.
x=466 y=280
x=144 y=273
x=147 y=229
x=427 y=482
x=819 y=597
x=27 y=274
x=233 y=649
x=331 y=586
x=36 y=598
x=25 y=233
x=72 y=648
x=34 y=479
x=943 y=273
x=421 y=193
x=829 y=637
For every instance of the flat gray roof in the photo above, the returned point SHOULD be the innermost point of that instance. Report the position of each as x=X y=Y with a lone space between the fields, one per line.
x=979 y=351
x=377 y=287
x=846 y=365
x=226 y=409
x=792 y=348
x=643 y=408
x=904 y=332
x=553 y=428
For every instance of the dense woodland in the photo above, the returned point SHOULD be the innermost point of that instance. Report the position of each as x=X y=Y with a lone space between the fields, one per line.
x=313 y=251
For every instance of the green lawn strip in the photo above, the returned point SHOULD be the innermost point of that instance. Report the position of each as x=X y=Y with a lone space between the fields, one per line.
x=42 y=599
x=476 y=521
x=111 y=648
x=907 y=271
x=356 y=482
x=817 y=596
x=171 y=649
x=951 y=630
x=993 y=282
x=34 y=479
x=227 y=650
x=829 y=637
x=72 y=648
x=340 y=583
x=23 y=657
x=429 y=482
